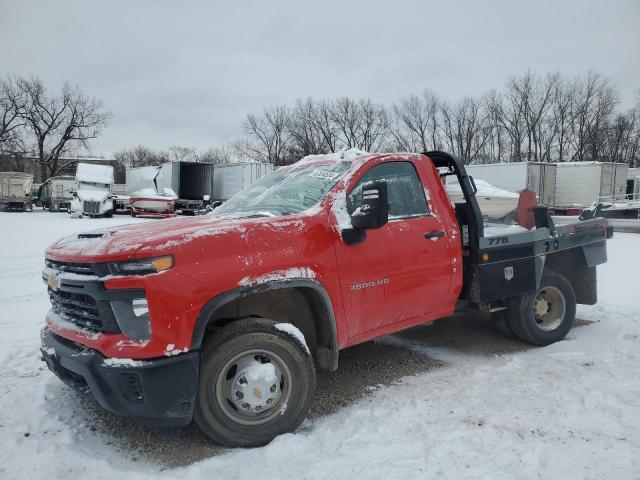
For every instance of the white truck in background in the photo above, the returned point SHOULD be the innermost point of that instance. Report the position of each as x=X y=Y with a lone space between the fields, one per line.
x=581 y=184
x=538 y=177
x=230 y=178
x=15 y=191
x=56 y=193
x=92 y=195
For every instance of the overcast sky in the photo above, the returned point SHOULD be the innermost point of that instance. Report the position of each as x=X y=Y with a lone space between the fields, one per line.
x=187 y=72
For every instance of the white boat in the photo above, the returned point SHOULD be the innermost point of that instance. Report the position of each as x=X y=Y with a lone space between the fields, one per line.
x=148 y=201
x=494 y=202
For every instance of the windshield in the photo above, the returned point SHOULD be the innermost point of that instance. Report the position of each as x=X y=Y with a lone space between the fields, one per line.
x=93 y=186
x=287 y=191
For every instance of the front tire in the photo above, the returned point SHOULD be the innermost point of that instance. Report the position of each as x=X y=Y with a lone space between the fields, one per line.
x=256 y=382
x=545 y=316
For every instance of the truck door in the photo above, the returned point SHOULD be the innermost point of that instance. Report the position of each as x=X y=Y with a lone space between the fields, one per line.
x=402 y=270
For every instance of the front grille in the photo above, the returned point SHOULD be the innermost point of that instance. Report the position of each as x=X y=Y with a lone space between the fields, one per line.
x=78 y=308
x=91 y=206
x=80 y=297
x=97 y=269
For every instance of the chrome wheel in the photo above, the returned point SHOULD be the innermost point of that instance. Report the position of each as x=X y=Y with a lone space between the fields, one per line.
x=253 y=387
x=549 y=308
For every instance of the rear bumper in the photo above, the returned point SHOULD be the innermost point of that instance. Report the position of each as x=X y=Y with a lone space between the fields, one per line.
x=158 y=392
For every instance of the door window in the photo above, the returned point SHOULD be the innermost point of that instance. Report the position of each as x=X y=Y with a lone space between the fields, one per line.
x=404 y=189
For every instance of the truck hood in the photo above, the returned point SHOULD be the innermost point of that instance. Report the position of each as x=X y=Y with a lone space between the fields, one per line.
x=147 y=239
x=93 y=195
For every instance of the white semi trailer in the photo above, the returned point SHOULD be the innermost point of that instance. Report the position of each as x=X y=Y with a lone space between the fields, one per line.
x=15 y=191
x=538 y=177
x=230 y=178
x=580 y=184
x=56 y=193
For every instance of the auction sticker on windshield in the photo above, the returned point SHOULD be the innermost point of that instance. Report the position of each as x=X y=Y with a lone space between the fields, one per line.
x=325 y=174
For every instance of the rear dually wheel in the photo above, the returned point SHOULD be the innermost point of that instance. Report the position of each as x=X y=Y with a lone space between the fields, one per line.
x=545 y=316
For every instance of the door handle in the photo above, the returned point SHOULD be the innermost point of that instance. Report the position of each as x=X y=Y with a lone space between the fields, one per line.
x=434 y=234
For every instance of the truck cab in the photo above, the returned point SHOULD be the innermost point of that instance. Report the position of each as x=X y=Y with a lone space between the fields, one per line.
x=225 y=318
x=92 y=195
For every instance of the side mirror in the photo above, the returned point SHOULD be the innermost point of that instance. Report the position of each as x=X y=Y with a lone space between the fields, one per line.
x=216 y=204
x=374 y=210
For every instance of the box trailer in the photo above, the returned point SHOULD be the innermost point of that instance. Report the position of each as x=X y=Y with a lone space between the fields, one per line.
x=192 y=182
x=56 y=193
x=538 y=177
x=580 y=184
x=15 y=191
x=230 y=178
x=633 y=184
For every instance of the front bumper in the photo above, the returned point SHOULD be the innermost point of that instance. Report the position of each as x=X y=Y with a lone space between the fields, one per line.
x=158 y=392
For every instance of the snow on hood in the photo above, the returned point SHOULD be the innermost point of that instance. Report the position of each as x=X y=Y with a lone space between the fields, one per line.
x=153 y=238
x=93 y=195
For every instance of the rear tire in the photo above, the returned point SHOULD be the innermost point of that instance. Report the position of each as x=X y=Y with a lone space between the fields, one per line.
x=545 y=316
x=256 y=382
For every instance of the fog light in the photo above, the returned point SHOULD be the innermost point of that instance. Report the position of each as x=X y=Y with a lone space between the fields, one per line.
x=133 y=317
x=140 y=306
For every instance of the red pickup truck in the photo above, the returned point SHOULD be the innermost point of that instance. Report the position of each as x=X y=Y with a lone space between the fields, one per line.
x=224 y=318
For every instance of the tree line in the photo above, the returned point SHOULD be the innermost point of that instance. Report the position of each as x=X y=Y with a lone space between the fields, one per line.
x=543 y=118
x=533 y=117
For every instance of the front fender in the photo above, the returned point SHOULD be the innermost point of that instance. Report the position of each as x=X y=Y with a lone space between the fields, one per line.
x=326 y=354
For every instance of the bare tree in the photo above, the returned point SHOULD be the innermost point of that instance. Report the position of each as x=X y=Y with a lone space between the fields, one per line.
x=216 y=155
x=270 y=135
x=307 y=138
x=323 y=123
x=58 y=122
x=182 y=154
x=345 y=115
x=466 y=128
x=595 y=101
x=416 y=124
x=374 y=126
x=140 y=156
x=12 y=105
x=360 y=124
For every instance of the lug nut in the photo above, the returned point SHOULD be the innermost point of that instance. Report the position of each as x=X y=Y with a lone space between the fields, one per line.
x=272 y=389
x=245 y=406
x=240 y=395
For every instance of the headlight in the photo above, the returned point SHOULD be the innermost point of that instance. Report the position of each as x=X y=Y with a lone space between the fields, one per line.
x=142 y=267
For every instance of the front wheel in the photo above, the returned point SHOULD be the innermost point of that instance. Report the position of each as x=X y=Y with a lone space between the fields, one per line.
x=256 y=382
x=545 y=316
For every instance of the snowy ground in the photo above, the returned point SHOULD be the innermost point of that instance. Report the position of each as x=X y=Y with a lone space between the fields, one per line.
x=478 y=405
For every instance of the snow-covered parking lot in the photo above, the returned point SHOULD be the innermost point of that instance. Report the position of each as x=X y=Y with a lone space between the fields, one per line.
x=451 y=400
